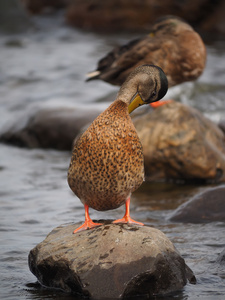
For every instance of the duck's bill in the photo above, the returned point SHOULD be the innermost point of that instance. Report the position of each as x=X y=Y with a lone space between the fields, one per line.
x=135 y=103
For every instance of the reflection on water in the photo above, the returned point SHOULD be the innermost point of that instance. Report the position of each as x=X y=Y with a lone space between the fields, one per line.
x=46 y=67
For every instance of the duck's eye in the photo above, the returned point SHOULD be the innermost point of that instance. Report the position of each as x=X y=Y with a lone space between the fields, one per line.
x=153 y=94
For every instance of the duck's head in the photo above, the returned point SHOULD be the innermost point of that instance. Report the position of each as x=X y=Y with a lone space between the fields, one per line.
x=169 y=26
x=146 y=84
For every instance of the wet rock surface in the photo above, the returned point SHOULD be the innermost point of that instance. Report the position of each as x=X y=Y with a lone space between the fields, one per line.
x=180 y=143
x=208 y=206
x=110 y=261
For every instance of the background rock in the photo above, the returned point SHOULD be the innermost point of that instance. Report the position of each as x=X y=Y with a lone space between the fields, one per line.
x=116 y=15
x=50 y=128
x=180 y=143
x=105 y=262
x=208 y=206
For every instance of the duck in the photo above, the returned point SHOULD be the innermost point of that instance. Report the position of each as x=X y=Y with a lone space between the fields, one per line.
x=172 y=44
x=107 y=162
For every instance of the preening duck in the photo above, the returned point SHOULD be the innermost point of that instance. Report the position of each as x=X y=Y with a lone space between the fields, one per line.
x=107 y=162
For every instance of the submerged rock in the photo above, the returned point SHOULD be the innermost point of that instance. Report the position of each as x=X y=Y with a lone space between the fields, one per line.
x=109 y=261
x=208 y=206
x=180 y=143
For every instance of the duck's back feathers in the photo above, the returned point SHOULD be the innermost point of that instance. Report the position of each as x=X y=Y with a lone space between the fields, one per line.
x=172 y=45
x=107 y=161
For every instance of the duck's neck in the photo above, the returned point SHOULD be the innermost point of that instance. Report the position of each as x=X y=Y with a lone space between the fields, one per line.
x=127 y=91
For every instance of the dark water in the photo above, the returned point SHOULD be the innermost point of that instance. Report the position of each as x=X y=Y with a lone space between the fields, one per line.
x=45 y=67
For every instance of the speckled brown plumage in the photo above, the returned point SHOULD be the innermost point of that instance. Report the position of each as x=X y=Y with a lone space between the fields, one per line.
x=107 y=162
x=172 y=45
x=107 y=165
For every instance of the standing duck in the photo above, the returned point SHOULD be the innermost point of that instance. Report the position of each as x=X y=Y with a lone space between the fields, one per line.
x=107 y=162
x=172 y=44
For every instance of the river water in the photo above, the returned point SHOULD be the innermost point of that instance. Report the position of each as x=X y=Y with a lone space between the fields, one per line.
x=45 y=67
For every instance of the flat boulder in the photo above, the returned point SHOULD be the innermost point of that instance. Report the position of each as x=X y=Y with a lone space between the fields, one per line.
x=113 y=261
x=207 y=206
x=179 y=142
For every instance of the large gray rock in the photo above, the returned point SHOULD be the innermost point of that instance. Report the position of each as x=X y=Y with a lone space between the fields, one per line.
x=208 y=206
x=110 y=261
x=179 y=142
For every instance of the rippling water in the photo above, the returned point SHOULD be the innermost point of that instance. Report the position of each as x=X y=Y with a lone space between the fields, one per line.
x=46 y=67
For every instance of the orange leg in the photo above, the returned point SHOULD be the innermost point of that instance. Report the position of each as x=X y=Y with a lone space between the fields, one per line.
x=160 y=103
x=126 y=218
x=88 y=223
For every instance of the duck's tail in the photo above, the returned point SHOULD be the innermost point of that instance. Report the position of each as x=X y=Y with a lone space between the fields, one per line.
x=92 y=75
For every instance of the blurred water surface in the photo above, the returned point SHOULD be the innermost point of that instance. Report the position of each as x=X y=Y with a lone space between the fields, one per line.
x=46 y=66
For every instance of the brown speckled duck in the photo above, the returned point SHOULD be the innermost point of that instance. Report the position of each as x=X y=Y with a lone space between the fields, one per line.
x=172 y=44
x=107 y=162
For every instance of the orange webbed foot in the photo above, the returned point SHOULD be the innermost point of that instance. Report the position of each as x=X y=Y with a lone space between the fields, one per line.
x=87 y=225
x=126 y=218
x=160 y=103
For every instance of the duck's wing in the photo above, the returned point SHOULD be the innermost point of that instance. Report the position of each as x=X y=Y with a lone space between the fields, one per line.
x=116 y=54
x=118 y=63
